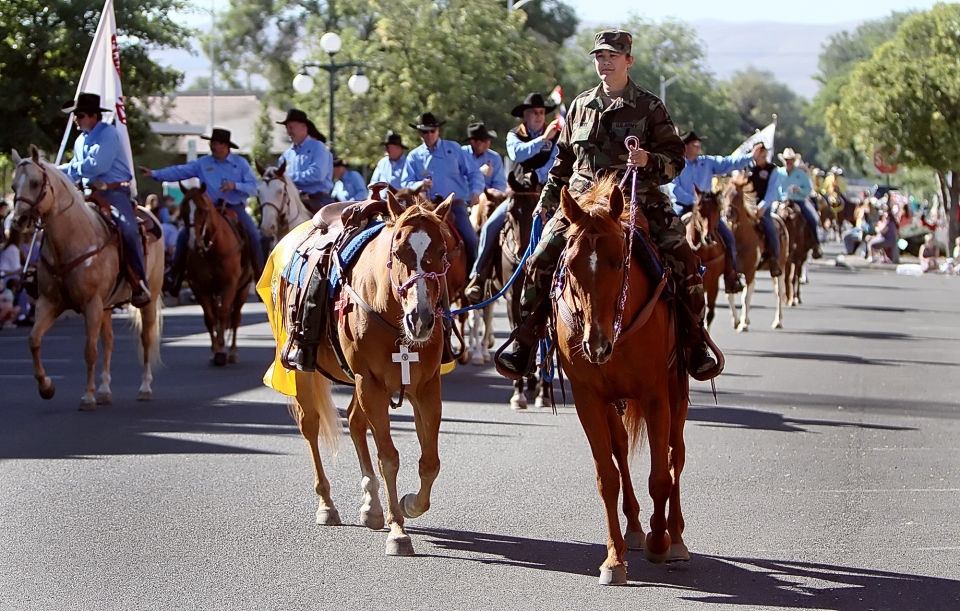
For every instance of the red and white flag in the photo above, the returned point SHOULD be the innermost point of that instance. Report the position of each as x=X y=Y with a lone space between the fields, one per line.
x=556 y=96
x=101 y=75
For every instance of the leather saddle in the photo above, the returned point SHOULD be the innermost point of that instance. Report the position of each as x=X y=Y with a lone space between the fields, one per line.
x=147 y=224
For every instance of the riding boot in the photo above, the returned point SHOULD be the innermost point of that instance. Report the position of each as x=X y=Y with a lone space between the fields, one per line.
x=141 y=296
x=475 y=288
x=700 y=365
x=520 y=360
x=300 y=351
x=731 y=279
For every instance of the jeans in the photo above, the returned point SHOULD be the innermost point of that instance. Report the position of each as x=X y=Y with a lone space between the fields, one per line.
x=122 y=210
x=461 y=220
x=773 y=240
x=489 y=234
x=809 y=215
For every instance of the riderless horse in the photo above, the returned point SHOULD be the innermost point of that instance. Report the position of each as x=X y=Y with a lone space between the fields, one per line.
x=702 y=223
x=79 y=270
x=743 y=220
x=391 y=340
x=617 y=342
x=219 y=271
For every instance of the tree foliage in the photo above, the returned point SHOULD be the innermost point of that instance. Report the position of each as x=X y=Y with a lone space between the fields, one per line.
x=667 y=48
x=906 y=98
x=43 y=46
x=555 y=20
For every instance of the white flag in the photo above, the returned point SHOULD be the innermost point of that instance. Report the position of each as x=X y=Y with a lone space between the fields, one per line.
x=764 y=135
x=101 y=75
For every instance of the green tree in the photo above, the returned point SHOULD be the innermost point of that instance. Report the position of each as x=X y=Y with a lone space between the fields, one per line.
x=553 y=19
x=842 y=53
x=665 y=49
x=906 y=97
x=262 y=136
x=756 y=95
x=43 y=46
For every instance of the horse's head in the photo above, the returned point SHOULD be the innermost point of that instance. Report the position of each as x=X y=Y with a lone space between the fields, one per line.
x=734 y=208
x=32 y=188
x=706 y=212
x=418 y=263
x=594 y=259
x=275 y=193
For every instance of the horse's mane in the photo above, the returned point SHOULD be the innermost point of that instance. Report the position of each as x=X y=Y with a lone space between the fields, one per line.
x=596 y=206
x=66 y=185
x=739 y=187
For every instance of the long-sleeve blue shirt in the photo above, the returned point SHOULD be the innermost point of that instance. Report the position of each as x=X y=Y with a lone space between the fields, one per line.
x=97 y=155
x=350 y=188
x=700 y=173
x=448 y=166
x=797 y=178
x=213 y=173
x=519 y=151
x=310 y=166
x=389 y=171
x=497 y=178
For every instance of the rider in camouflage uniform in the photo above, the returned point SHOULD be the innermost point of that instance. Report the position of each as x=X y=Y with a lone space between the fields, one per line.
x=592 y=146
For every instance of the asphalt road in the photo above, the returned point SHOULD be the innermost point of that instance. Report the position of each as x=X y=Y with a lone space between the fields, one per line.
x=826 y=477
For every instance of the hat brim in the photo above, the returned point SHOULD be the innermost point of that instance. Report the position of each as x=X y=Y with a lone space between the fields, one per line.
x=426 y=128
x=790 y=158
x=606 y=47
x=231 y=144
x=520 y=108
x=400 y=144
x=70 y=107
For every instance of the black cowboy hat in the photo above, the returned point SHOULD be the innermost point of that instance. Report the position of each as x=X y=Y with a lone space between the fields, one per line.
x=426 y=123
x=691 y=136
x=478 y=131
x=393 y=138
x=85 y=102
x=533 y=100
x=220 y=135
x=339 y=162
x=295 y=114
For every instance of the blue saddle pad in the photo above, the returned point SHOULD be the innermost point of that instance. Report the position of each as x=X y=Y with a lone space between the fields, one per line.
x=349 y=252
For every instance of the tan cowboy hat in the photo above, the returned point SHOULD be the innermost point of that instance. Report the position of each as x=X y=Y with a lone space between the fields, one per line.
x=788 y=153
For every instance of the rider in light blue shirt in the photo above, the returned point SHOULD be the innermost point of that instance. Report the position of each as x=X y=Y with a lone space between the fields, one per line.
x=440 y=167
x=348 y=185
x=309 y=162
x=390 y=167
x=488 y=162
x=227 y=177
x=100 y=162
x=698 y=171
x=795 y=186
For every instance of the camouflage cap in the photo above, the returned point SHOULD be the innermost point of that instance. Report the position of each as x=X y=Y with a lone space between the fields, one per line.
x=617 y=41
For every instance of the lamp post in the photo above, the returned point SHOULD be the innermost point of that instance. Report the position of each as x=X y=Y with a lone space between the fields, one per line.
x=359 y=84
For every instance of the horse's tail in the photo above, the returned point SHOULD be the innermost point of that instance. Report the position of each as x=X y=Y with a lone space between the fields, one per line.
x=315 y=401
x=136 y=326
x=635 y=424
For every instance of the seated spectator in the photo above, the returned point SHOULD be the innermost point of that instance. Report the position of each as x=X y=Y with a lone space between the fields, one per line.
x=8 y=310
x=884 y=247
x=929 y=254
x=11 y=262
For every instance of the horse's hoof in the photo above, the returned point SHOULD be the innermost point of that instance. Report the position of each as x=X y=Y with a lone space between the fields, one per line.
x=145 y=395
x=486 y=358
x=616 y=576
x=47 y=389
x=743 y=329
x=399 y=545
x=777 y=325
x=518 y=403
x=657 y=547
x=678 y=553
x=87 y=406
x=104 y=398
x=634 y=539
x=372 y=519
x=543 y=402
x=478 y=360
x=233 y=359
x=328 y=517
x=407 y=506
x=220 y=359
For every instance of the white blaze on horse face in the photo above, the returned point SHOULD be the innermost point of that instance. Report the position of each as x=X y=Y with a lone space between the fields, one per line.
x=419 y=242
x=593 y=262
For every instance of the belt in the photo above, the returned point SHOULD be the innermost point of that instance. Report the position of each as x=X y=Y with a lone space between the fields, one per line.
x=116 y=185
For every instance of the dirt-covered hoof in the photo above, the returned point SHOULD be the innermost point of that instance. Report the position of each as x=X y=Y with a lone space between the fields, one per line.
x=407 y=506
x=399 y=545
x=328 y=517
x=615 y=576
x=678 y=553
x=220 y=359
x=372 y=519
x=145 y=395
x=104 y=398
x=47 y=389
x=634 y=539
x=87 y=405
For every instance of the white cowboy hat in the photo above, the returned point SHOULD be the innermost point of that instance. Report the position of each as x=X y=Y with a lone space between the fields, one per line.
x=788 y=153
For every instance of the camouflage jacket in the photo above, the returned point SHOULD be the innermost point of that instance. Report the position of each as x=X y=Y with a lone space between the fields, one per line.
x=591 y=144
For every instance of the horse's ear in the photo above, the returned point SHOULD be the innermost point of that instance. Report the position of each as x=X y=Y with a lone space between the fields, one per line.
x=444 y=207
x=571 y=209
x=616 y=203
x=182 y=188
x=35 y=153
x=15 y=156
x=283 y=166
x=203 y=188
x=697 y=192
x=260 y=167
x=394 y=206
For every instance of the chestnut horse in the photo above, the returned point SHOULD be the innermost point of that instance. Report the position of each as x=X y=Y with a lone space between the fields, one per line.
x=799 y=245
x=281 y=208
x=703 y=238
x=219 y=271
x=743 y=221
x=638 y=373
x=79 y=271
x=391 y=299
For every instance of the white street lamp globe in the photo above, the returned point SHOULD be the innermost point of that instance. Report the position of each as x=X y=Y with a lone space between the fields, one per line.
x=330 y=42
x=302 y=83
x=359 y=83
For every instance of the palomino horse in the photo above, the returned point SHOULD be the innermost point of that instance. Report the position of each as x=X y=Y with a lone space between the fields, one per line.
x=391 y=299
x=514 y=240
x=744 y=223
x=78 y=271
x=636 y=372
x=281 y=208
x=219 y=271
x=702 y=235
x=799 y=245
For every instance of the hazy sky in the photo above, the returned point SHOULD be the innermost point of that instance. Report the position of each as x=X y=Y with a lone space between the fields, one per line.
x=804 y=11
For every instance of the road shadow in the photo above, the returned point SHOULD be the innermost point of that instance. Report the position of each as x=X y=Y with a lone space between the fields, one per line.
x=758 y=582
x=745 y=418
x=854 y=334
x=837 y=358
